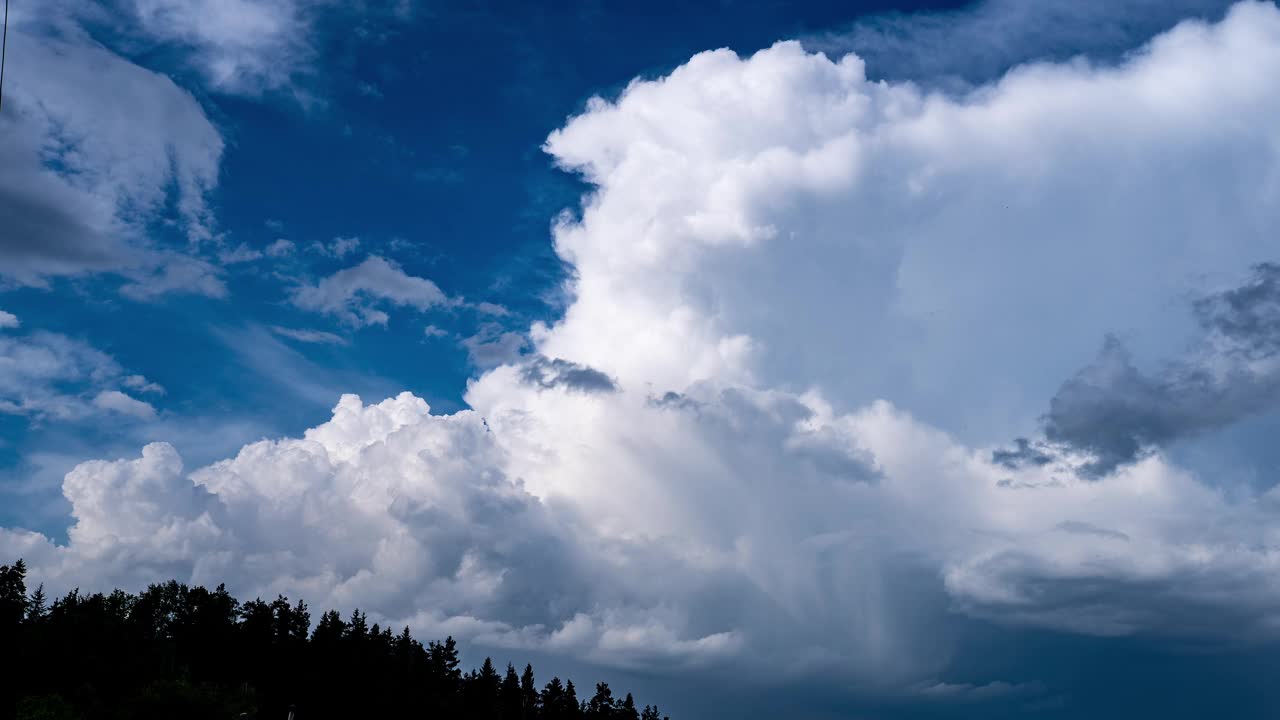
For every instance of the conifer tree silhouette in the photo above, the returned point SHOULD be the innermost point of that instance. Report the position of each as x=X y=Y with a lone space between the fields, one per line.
x=511 y=701
x=189 y=652
x=553 y=700
x=601 y=706
x=13 y=594
x=627 y=709
x=571 y=706
x=36 y=604
x=529 y=695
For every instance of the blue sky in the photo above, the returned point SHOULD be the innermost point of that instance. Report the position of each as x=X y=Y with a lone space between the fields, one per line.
x=894 y=359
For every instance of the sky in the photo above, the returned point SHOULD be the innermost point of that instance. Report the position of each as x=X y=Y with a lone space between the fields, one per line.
x=807 y=360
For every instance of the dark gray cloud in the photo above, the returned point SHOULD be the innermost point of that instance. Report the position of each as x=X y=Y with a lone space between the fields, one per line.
x=1115 y=412
x=1248 y=315
x=1188 y=606
x=673 y=400
x=548 y=373
x=40 y=236
x=1023 y=453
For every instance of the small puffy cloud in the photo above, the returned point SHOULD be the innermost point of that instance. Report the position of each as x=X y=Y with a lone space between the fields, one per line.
x=240 y=254
x=432 y=331
x=309 y=336
x=118 y=402
x=488 y=308
x=8 y=320
x=141 y=384
x=339 y=248
x=280 y=248
x=354 y=294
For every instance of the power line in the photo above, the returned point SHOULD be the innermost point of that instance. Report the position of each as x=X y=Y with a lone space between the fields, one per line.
x=4 y=46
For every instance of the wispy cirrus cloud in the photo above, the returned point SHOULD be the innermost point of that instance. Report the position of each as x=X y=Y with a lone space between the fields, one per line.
x=309 y=336
x=49 y=377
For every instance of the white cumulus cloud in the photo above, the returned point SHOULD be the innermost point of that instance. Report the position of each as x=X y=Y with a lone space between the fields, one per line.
x=118 y=402
x=353 y=294
x=142 y=384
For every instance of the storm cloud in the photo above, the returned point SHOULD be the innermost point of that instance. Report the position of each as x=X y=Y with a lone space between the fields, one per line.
x=548 y=373
x=1114 y=412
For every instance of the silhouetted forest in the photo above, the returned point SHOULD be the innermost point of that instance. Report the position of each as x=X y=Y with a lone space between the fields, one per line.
x=179 y=652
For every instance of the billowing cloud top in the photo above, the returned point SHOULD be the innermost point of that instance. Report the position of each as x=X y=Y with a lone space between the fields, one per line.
x=698 y=462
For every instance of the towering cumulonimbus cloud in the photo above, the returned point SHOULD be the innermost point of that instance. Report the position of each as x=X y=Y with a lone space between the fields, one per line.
x=806 y=308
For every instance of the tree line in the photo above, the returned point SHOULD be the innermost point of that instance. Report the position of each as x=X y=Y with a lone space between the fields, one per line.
x=179 y=652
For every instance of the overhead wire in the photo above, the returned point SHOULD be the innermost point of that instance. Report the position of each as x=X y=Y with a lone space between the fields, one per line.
x=4 y=47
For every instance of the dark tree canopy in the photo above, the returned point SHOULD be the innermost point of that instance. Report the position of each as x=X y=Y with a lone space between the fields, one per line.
x=174 y=651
